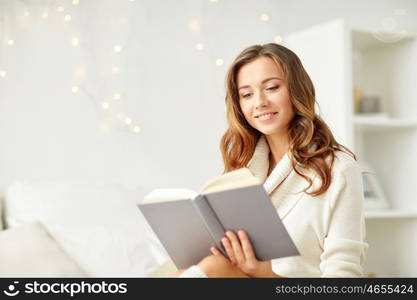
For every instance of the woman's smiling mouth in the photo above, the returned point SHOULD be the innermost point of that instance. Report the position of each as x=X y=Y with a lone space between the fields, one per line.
x=266 y=116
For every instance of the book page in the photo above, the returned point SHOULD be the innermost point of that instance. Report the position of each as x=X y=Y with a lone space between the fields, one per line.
x=250 y=208
x=163 y=195
x=231 y=180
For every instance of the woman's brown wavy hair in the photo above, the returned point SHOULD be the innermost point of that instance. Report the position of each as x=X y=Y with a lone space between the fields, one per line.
x=310 y=139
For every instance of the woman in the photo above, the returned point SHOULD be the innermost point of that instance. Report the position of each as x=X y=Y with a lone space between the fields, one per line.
x=313 y=181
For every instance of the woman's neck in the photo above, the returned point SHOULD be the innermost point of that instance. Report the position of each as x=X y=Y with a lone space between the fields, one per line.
x=279 y=146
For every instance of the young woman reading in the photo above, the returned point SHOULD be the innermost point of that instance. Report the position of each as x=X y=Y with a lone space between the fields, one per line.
x=313 y=181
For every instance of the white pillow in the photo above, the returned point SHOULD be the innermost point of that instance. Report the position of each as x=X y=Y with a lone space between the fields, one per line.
x=98 y=225
x=29 y=251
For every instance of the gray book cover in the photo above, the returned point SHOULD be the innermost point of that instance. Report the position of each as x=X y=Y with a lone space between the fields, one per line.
x=188 y=228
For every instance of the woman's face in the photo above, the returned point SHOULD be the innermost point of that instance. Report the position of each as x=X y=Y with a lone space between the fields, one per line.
x=263 y=96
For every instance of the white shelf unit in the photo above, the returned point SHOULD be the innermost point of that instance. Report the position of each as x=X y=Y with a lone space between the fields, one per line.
x=339 y=58
x=390 y=214
x=380 y=124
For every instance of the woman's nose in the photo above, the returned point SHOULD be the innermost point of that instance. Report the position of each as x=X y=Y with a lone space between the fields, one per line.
x=261 y=100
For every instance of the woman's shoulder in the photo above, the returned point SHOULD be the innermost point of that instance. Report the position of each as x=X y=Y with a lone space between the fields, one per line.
x=344 y=158
x=344 y=162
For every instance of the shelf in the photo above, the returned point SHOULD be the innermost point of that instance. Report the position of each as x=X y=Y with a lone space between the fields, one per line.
x=377 y=122
x=390 y=214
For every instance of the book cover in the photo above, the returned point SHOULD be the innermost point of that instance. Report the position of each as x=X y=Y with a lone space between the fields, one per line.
x=188 y=223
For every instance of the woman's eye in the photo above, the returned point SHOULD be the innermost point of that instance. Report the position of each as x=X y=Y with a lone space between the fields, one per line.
x=245 y=95
x=273 y=88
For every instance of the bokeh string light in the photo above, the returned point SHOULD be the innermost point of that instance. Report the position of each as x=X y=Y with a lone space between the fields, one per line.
x=57 y=9
x=106 y=106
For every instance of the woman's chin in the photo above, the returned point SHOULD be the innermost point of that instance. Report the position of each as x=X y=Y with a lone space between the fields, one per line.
x=268 y=131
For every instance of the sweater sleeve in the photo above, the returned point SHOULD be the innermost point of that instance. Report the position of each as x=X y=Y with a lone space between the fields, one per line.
x=344 y=247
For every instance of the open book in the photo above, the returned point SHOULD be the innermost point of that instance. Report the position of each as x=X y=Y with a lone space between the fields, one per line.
x=188 y=223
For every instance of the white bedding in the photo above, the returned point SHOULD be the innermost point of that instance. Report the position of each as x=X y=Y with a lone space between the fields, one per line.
x=97 y=224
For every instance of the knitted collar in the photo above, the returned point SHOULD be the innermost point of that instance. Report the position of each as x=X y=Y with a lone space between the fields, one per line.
x=259 y=166
x=291 y=185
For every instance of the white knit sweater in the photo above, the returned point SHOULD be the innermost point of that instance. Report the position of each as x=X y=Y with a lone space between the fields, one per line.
x=328 y=230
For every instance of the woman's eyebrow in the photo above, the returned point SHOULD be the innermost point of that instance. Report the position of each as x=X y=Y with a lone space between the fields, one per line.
x=263 y=81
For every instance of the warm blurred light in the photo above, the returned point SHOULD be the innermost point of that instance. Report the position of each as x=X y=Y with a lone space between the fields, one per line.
x=75 y=2
x=10 y=42
x=199 y=46
x=116 y=96
x=79 y=72
x=136 y=129
x=26 y=14
x=3 y=73
x=67 y=18
x=105 y=105
x=75 y=42
x=60 y=9
x=264 y=17
x=128 y=121
x=44 y=15
x=75 y=89
x=117 y=48
x=115 y=69
x=219 y=62
x=278 y=39
x=194 y=25
x=105 y=126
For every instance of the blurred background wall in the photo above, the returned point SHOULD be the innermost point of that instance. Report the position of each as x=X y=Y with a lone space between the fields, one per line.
x=133 y=91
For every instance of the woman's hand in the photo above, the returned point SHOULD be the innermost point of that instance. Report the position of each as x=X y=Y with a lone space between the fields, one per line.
x=240 y=251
